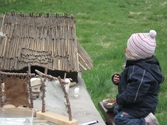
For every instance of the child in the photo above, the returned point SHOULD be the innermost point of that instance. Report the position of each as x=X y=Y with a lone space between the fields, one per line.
x=139 y=83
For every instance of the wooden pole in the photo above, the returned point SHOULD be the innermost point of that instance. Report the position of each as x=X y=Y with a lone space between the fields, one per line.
x=2 y=22
x=67 y=99
x=29 y=84
x=49 y=76
x=43 y=93
x=16 y=74
x=1 y=102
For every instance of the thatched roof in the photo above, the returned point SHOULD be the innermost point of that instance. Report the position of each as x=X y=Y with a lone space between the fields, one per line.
x=46 y=41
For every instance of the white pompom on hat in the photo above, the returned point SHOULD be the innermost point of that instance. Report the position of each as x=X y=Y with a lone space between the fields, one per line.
x=142 y=45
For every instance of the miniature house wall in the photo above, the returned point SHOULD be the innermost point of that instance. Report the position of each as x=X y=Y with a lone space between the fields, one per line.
x=41 y=42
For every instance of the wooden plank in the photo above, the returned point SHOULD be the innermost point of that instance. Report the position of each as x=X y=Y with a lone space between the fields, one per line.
x=10 y=109
x=56 y=118
x=47 y=118
x=38 y=121
x=109 y=116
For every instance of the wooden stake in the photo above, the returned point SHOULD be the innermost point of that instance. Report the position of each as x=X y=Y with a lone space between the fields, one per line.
x=28 y=80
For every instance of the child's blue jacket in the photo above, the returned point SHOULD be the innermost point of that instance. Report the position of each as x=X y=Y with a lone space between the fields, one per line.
x=139 y=86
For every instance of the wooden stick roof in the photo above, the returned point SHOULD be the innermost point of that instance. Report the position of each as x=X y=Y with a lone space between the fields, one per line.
x=46 y=41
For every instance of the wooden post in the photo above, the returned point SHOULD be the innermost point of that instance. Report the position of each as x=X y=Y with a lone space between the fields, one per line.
x=46 y=71
x=2 y=22
x=1 y=102
x=67 y=99
x=43 y=93
x=43 y=90
x=65 y=74
x=29 y=85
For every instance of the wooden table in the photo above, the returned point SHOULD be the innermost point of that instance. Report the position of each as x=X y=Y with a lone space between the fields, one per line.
x=109 y=116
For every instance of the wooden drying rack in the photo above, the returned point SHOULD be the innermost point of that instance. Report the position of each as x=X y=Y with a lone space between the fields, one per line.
x=62 y=82
x=28 y=75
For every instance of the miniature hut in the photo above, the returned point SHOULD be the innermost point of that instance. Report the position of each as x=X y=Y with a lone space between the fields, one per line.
x=47 y=43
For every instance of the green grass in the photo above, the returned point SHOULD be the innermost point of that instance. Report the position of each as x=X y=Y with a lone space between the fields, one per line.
x=102 y=28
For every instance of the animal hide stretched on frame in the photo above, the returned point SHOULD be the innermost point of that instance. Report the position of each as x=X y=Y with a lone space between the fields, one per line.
x=16 y=91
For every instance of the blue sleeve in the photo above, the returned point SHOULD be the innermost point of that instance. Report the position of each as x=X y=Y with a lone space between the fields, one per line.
x=137 y=86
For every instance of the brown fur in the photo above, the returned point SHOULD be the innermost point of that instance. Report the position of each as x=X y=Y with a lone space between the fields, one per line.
x=16 y=91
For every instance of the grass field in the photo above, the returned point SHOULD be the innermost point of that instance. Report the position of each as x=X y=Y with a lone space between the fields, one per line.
x=102 y=28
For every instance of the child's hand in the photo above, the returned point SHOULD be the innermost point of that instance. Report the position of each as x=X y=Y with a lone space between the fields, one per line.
x=116 y=79
x=115 y=101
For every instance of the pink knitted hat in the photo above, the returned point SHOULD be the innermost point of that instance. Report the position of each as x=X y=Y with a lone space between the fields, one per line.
x=142 y=45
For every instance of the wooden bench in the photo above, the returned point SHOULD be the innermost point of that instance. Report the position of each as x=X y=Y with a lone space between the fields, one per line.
x=109 y=116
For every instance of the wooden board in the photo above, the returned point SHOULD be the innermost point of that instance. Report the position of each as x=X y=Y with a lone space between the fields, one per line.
x=38 y=121
x=10 y=109
x=47 y=118
x=56 y=118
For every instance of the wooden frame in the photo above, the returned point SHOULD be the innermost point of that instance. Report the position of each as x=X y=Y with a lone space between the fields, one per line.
x=28 y=75
x=53 y=117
